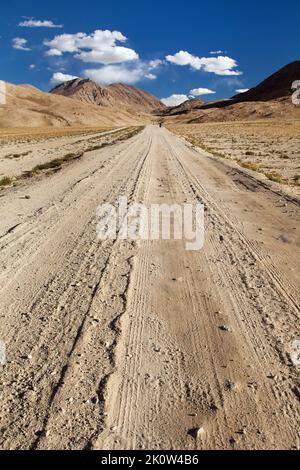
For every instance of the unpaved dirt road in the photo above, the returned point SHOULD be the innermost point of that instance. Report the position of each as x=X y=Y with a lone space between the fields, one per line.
x=121 y=344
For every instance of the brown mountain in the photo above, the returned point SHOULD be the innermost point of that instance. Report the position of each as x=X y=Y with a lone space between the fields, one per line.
x=183 y=108
x=117 y=95
x=27 y=106
x=276 y=86
x=269 y=99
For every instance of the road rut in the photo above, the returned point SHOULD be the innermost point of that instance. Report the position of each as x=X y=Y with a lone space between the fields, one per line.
x=121 y=344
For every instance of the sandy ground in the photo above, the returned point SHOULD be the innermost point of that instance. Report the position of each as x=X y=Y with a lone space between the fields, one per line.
x=29 y=134
x=18 y=156
x=269 y=147
x=129 y=345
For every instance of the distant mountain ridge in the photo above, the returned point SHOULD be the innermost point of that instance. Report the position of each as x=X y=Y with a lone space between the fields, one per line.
x=184 y=107
x=115 y=96
x=269 y=99
x=84 y=103
x=26 y=106
x=278 y=85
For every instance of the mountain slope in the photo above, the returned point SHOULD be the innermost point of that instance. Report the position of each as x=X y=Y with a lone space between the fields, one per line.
x=184 y=107
x=27 y=106
x=116 y=95
x=276 y=86
x=269 y=99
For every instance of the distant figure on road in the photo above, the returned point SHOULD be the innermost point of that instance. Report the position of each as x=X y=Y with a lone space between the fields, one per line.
x=160 y=124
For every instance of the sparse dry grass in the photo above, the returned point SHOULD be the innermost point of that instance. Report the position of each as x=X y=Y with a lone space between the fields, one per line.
x=56 y=164
x=17 y=155
x=270 y=147
x=275 y=177
x=5 y=181
x=29 y=134
x=249 y=165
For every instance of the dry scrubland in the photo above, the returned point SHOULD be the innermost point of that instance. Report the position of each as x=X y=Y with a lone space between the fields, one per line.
x=269 y=147
x=27 y=134
x=27 y=153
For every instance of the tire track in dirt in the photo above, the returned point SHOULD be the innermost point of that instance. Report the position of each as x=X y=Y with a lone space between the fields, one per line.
x=55 y=288
x=274 y=275
x=198 y=390
x=121 y=344
x=51 y=427
x=259 y=269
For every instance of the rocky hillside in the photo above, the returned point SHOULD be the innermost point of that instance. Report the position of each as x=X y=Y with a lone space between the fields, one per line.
x=183 y=108
x=117 y=95
x=27 y=106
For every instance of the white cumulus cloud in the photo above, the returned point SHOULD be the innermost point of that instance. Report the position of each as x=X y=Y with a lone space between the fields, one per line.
x=220 y=65
x=242 y=90
x=59 y=77
x=115 y=74
x=126 y=73
x=184 y=58
x=153 y=64
x=112 y=55
x=99 y=47
x=174 y=100
x=32 y=23
x=115 y=62
x=201 y=91
x=151 y=76
x=20 y=44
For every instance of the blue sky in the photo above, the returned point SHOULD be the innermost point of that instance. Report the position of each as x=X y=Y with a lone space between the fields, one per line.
x=167 y=48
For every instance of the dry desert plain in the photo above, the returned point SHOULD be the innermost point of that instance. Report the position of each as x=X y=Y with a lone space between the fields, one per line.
x=142 y=344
